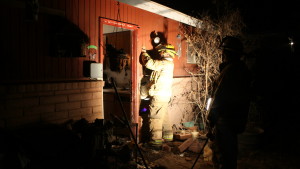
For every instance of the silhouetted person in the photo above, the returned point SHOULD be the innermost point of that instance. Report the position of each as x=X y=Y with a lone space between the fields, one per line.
x=229 y=110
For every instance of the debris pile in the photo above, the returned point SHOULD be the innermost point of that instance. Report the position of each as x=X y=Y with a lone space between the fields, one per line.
x=74 y=144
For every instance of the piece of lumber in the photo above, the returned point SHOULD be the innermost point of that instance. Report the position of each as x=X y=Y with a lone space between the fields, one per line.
x=182 y=136
x=185 y=144
x=195 y=146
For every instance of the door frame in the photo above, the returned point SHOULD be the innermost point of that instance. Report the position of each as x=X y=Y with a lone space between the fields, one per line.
x=134 y=59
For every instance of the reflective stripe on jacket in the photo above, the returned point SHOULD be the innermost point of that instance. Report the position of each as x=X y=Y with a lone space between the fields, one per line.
x=161 y=76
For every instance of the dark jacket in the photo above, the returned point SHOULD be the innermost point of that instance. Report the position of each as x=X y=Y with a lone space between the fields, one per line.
x=231 y=95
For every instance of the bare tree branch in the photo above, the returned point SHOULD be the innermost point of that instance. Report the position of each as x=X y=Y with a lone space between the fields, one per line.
x=204 y=40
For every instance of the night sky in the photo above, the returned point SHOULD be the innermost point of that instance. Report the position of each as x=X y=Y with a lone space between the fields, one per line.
x=276 y=65
x=259 y=15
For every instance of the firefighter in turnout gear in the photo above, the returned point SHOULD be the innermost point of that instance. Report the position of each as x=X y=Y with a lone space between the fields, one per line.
x=160 y=91
x=231 y=100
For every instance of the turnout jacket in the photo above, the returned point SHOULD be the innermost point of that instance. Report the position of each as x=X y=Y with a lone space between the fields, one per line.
x=161 y=77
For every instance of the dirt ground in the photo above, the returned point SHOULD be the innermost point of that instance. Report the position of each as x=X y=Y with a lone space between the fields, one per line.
x=275 y=153
x=54 y=146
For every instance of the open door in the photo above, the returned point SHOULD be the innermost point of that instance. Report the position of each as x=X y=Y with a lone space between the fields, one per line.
x=119 y=58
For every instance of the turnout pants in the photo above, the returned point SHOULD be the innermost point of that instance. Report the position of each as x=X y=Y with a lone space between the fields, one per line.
x=160 y=126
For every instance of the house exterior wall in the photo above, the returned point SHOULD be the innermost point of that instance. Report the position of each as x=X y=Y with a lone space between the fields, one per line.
x=181 y=104
x=27 y=47
x=22 y=104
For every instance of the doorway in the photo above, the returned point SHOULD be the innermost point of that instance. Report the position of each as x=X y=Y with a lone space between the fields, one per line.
x=118 y=55
x=117 y=52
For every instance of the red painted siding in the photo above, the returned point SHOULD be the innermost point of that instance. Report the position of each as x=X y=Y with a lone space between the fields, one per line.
x=33 y=51
x=26 y=44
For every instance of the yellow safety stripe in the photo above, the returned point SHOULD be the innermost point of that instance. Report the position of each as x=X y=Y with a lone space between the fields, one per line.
x=156 y=142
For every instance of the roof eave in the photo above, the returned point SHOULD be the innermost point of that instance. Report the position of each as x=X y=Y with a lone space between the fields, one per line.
x=162 y=10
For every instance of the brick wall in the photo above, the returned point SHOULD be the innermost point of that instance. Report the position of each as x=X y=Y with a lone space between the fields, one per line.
x=50 y=102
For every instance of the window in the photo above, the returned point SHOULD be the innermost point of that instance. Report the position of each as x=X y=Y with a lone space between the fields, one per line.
x=191 y=54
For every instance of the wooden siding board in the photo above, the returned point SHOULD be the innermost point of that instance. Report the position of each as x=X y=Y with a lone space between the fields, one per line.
x=44 y=44
x=32 y=51
x=131 y=12
x=44 y=3
x=54 y=67
x=39 y=47
x=13 y=59
x=7 y=40
x=136 y=15
x=86 y=18
x=46 y=50
x=98 y=13
x=113 y=9
x=107 y=9
x=55 y=4
x=97 y=25
x=3 y=29
x=36 y=47
x=120 y=13
x=11 y=36
x=98 y=8
x=81 y=16
x=19 y=44
x=102 y=8
x=76 y=68
x=68 y=10
x=75 y=12
x=75 y=72
x=64 y=68
x=80 y=67
x=26 y=57
x=61 y=4
x=140 y=41
x=123 y=13
x=92 y=23
x=35 y=63
x=68 y=66
x=131 y=17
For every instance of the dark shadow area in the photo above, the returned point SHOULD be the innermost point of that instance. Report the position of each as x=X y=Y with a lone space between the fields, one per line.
x=74 y=144
x=87 y=68
x=145 y=128
x=275 y=90
x=67 y=39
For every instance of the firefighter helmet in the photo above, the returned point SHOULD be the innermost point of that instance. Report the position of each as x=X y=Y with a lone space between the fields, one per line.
x=233 y=44
x=170 y=49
